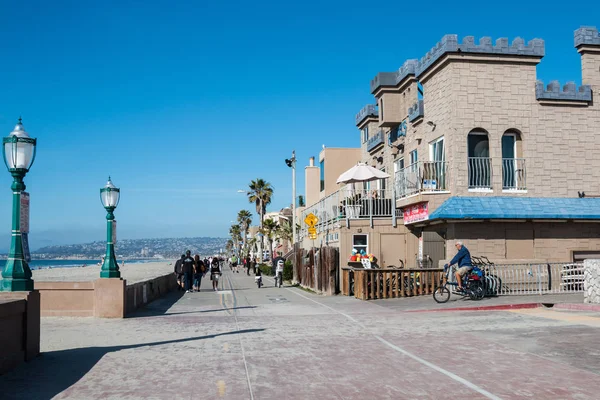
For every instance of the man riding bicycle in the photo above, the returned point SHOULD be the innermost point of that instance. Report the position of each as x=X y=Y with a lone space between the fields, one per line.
x=463 y=258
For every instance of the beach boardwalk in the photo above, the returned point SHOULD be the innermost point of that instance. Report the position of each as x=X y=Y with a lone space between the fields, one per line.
x=284 y=343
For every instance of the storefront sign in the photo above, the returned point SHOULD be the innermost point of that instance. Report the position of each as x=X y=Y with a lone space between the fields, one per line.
x=416 y=213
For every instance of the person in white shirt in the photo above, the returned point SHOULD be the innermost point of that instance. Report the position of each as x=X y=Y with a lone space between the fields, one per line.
x=279 y=273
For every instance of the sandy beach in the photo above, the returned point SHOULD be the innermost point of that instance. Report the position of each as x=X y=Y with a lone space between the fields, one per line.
x=131 y=272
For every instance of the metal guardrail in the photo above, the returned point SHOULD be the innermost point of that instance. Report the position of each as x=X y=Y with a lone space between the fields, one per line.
x=514 y=174
x=480 y=172
x=522 y=279
x=422 y=176
x=349 y=204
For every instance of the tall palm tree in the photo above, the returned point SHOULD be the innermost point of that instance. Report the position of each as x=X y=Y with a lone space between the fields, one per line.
x=244 y=218
x=270 y=229
x=236 y=237
x=229 y=246
x=260 y=194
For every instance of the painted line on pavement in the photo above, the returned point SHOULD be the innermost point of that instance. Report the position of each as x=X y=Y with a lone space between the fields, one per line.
x=441 y=370
x=237 y=324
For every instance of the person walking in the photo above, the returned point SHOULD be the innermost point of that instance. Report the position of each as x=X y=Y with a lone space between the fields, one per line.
x=188 y=270
x=215 y=273
x=254 y=262
x=198 y=272
x=248 y=264
x=234 y=262
x=179 y=273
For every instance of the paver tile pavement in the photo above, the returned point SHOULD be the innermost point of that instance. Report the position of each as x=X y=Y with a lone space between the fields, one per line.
x=284 y=343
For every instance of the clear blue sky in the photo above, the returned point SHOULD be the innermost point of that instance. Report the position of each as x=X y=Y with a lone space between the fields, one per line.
x=184 y=104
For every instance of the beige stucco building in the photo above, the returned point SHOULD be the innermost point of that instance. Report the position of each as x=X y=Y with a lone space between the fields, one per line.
x=478 y=150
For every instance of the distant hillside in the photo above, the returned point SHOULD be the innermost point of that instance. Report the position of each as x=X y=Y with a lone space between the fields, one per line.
x=136 y=248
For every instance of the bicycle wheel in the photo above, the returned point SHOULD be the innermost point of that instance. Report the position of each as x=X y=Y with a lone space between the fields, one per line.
x=476 y=290
x=441 y=294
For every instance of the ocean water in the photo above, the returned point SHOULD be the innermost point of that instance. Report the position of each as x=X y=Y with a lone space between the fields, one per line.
x=43 y=264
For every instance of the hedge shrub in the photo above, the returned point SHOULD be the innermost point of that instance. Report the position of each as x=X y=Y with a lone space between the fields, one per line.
x=288 y=271
x=266 y=269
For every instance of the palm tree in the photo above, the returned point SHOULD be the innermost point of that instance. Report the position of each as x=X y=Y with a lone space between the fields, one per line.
x=284 y=232
x=229 y=246
x=260 y=194
x=245 y=220
x=236 y=237
x=270 y=229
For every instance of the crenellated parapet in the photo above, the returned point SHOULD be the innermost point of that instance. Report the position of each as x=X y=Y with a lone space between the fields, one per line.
x=394 y=78
x=569 y=92
x=450 y=44
x=587 y=36
x=415 y=111
x=370 y=110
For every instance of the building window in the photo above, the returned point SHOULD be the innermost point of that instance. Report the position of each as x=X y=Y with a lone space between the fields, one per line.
x=413 y=157
x=436 y=150
x=365 y=134
x=360 y=243
x=381 y=185
x=399 y=165
x=322 y=173
x=381 y=109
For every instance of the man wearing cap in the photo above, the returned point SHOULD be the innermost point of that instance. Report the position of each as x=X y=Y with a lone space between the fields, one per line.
x=187 y=266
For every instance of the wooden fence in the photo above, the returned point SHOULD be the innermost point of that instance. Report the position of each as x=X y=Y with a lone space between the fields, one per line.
x=317 y=273
x=368 y=284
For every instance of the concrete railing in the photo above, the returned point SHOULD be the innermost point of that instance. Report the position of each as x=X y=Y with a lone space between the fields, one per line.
x=142 y=293
x=104 y=298
x=19 y=328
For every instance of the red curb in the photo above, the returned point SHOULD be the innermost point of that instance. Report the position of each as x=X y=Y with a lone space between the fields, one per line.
x=577 y=307
x=484 y=308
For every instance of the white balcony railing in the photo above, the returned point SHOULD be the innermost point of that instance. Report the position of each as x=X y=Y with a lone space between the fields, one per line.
x=480 y=172
x=514 y=174
x=349 y=203
x=423 y=176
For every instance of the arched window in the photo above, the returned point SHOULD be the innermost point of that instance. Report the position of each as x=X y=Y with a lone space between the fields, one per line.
x=479 y=162
x=513 y=163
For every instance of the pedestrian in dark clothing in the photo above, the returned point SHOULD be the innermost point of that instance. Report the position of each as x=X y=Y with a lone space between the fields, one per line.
x=179 y=273
x=198 y=272
x=254 y=262
x=188 y=265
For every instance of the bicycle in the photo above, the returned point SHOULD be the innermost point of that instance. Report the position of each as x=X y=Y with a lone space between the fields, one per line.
x=473 y=286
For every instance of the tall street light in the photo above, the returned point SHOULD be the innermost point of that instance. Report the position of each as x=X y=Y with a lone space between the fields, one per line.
x=291 y=162
x=19 y=153
x=109 y=195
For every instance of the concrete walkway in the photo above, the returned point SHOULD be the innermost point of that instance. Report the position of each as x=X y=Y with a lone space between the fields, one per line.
x=285 y=343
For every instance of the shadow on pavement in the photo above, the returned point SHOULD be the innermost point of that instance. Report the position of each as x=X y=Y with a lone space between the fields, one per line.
x=55 y=371
x=158 y=306
x=142 y=314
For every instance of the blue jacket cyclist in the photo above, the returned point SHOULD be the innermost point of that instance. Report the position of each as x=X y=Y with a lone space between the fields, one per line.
x=463 y=259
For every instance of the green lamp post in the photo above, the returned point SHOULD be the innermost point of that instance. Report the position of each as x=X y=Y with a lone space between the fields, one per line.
x=109 y=195
x=19 y=153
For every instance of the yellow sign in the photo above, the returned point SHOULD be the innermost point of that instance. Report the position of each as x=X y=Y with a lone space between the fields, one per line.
x=312 y=231
x=311 y=219
x=312 y=236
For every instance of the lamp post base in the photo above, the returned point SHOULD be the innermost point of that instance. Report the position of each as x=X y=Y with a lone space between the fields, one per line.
x=110 y=274
x=16 y=285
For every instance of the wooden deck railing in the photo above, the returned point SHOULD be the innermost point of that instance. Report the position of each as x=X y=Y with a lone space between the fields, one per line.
x=368 y=284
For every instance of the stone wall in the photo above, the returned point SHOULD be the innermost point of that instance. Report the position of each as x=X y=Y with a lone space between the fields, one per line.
x=591 y=285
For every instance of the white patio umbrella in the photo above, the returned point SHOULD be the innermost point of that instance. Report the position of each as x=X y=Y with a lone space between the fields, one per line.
x=361 y=173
